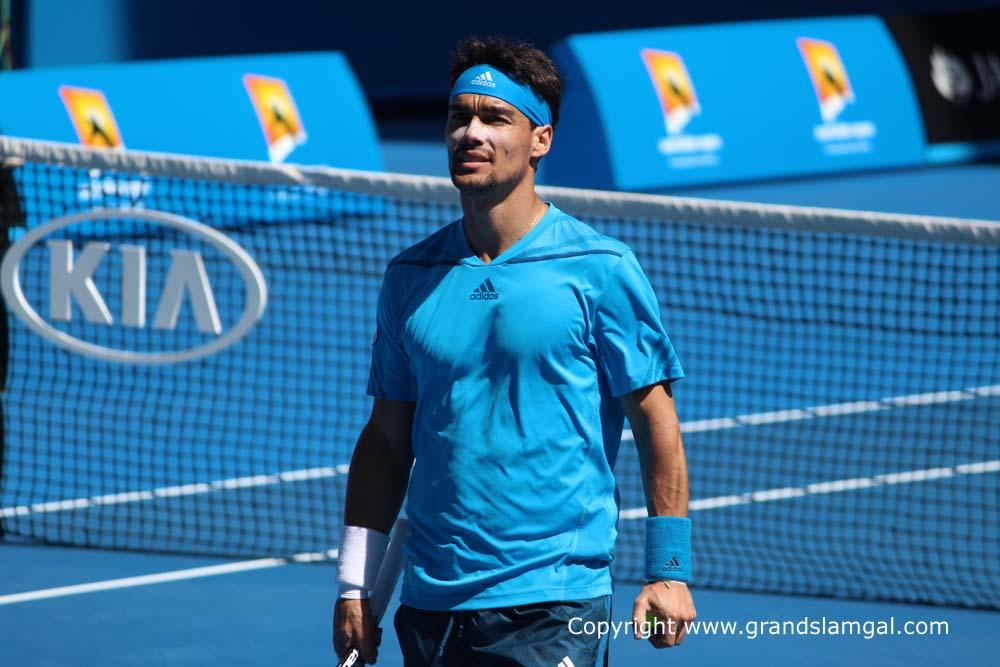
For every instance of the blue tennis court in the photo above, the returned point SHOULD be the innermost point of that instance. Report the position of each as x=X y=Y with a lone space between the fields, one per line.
x=809 y=496
x=282 y=615
x=175 y=447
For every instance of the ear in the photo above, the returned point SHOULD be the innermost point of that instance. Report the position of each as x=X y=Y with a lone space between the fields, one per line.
x=541 y=140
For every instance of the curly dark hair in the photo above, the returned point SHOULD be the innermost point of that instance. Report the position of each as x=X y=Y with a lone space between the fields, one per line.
x=520 y=60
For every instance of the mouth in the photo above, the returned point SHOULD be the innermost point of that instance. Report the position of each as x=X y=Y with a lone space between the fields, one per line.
x=470 y=159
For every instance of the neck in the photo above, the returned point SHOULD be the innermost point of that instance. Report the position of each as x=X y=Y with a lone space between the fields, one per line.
x=493 y=222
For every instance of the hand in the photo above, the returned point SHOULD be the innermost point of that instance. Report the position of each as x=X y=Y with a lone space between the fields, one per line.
x=673 y=608
x=354 y=627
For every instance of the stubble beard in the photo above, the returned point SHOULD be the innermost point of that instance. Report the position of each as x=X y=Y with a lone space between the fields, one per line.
x=487 y=183
x=481 y=184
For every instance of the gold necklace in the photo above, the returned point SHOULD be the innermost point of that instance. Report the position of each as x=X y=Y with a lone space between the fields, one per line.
x=538 y=216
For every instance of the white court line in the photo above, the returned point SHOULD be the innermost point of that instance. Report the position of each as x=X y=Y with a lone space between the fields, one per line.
x=756 y=497
x=144 y=580
x=833 y=410
x=834 y=486
x=701 y=504
x=163 y=577
x=254 y=481
x=699 y=426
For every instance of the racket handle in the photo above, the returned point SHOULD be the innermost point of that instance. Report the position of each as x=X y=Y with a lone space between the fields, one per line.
x=353 y=659
x=385 y=583
x=392 y=567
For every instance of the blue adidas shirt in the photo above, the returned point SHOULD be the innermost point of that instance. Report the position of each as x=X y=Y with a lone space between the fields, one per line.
x=515 y=367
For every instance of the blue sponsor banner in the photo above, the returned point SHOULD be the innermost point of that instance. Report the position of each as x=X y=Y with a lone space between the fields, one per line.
x=648 y=109
x=303 y=108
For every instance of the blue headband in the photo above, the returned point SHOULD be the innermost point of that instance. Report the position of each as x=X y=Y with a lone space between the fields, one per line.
x=488 y=80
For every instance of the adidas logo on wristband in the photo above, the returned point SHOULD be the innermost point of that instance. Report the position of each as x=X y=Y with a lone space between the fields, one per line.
x=672 y=565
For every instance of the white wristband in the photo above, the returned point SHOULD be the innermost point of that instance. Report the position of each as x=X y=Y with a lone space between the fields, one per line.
x=361 y=554
x=348 y=592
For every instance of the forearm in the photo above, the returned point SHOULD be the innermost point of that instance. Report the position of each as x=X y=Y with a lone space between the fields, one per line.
x=662 y=462
x=663 y=467
x=376 y=484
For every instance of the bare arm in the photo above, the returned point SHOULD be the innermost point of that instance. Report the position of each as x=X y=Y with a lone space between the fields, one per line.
x=663 y=466
x=380 y=467
x=653 y=417
x=376 y=487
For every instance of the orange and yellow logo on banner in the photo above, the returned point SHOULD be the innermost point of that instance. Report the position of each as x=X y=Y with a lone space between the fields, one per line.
x=278 y=116
x=829 y=76
x=91 y=116
x=678 y=99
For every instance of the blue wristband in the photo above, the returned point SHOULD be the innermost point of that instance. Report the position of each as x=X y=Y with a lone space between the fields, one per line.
x=668 y=548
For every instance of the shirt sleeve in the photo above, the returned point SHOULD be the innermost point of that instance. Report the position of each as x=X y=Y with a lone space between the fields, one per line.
x=390 y=376
x=633 y=348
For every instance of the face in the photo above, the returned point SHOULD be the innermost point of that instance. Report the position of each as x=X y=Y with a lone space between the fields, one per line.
x=490 y=143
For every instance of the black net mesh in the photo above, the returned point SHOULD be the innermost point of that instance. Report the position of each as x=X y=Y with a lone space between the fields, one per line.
x=840 y=409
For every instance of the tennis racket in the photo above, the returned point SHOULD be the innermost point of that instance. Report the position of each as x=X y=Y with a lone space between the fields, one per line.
x=385 y=583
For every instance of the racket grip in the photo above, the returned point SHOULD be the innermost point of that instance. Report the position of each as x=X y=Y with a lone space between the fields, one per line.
x=385 y=583
x=353 y=659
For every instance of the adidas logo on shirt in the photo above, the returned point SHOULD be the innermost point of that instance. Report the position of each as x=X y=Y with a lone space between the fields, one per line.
x=485 y=291
x=673 y=565
x=484 y=79
x=566 y=662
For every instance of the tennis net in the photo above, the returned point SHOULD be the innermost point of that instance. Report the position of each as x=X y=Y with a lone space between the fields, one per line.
x=840 y=410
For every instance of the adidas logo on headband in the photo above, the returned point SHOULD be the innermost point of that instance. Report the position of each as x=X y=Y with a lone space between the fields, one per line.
x=494 y=82
x=484 y=79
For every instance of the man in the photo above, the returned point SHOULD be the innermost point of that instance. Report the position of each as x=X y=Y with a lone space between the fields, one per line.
x=510 y=345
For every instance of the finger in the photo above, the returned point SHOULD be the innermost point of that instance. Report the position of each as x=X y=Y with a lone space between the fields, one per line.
x=664 y=631
x=673 y=626
x=657 y=631
x=660 y=629
x=339 y=643
x=368 y=644
x=639 y=611
x=368 y=649
x=664 y=628
x=681 y=633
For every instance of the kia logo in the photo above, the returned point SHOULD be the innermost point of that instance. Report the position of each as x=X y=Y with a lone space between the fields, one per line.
x=71 y=279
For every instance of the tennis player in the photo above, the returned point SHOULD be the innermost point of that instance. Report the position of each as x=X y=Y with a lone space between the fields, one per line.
x=510 y=346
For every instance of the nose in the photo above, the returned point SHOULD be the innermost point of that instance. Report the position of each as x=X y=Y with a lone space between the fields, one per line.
x=475 y=132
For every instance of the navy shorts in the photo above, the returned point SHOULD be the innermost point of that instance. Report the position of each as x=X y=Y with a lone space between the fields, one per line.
x=532 y=635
